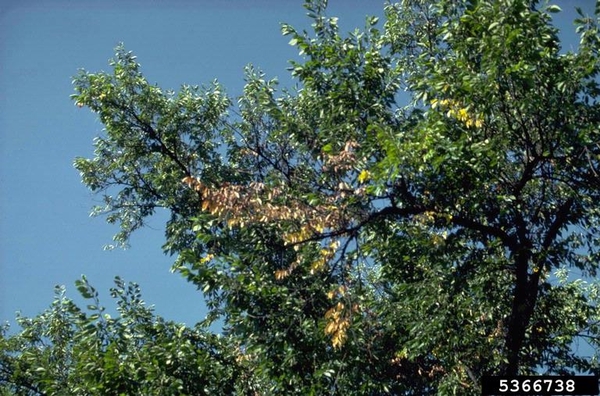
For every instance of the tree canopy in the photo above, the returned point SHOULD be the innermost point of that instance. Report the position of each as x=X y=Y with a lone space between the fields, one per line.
x=419 y=211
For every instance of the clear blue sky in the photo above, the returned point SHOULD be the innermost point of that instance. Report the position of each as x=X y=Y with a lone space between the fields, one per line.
x=46 y=235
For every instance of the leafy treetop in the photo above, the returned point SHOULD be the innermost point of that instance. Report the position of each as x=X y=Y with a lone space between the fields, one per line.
x=403 y=222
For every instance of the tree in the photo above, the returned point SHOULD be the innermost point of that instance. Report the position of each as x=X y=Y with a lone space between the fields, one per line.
x=404 y=222
x=66 y=350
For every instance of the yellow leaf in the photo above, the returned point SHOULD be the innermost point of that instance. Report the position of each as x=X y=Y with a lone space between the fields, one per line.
x=339 y=337
x=364 y=176
x=281 y=274
x=331 y=328
x=338 y=340
x=318 y=227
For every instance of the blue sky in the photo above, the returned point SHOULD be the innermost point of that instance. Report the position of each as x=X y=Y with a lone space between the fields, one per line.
x=46 y=235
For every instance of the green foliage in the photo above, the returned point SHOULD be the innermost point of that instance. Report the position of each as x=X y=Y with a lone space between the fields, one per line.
x=67 y=350
x=152 y=138
x=419 y=212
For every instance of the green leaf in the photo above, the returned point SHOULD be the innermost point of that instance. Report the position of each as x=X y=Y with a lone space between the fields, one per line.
x=553 y=8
